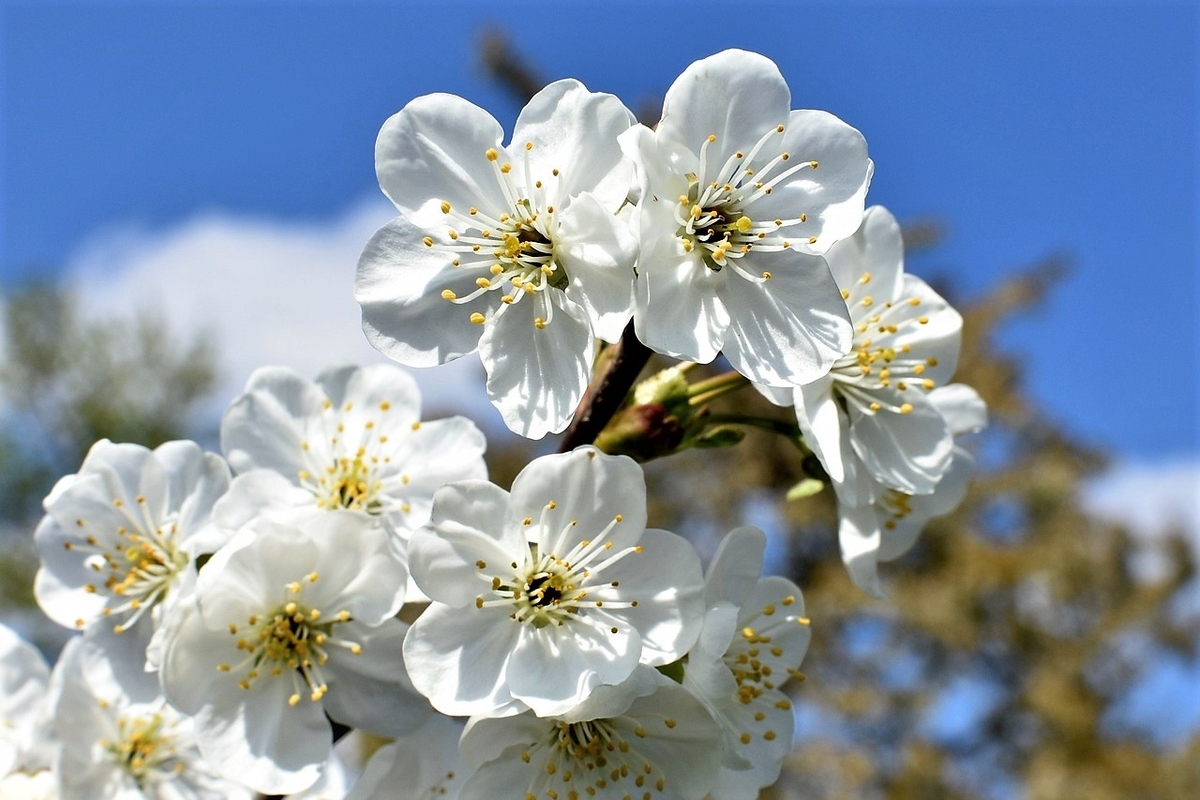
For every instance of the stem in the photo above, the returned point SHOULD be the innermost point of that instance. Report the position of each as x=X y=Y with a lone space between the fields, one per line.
x=787 y=429
x=607 y=392
x=726 y=380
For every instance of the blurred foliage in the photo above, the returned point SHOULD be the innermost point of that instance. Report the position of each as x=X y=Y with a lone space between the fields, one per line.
x=1019 y=596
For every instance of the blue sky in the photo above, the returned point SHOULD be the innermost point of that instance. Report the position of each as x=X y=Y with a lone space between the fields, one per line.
x=1030 y=129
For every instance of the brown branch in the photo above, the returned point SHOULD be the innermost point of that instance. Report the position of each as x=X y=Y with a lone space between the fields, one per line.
x=607 y=392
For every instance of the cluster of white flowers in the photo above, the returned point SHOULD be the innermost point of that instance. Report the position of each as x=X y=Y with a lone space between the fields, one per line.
x=240 y=611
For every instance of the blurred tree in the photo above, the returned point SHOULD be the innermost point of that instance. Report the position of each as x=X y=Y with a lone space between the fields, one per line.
x=1011 y=628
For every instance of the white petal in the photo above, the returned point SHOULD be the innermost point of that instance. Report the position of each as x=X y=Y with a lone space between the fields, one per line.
x=876 y=247
x=824 y=426
x=537 y=376
x=907 y=452
x=734 y=95
x=678 y=309
x=554 y=669
x=399 y=286
x=371 y=691
x=598 y=252
x=859 y=537
x=586 y=486
x=575 y=131
x=433 y=150
x=939 y=337
x=260 y=428
x=457 y=657
x=736 y=567
x=949 y=493
x=258 y=492
x=444 y=560
x=788 y=330
x=666 y=580
x=369 y=387
x=266 y=744
x=832 y=195
x=961 y=407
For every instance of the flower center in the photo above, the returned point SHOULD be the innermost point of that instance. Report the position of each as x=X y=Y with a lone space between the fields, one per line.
x=348 y=461
x=879 y=365
x=513 y=250
x=547 y=589
x=584 y=757
x=139 y=560
x=898 y=505
x=293 y=639
x=716 y=218
x=142 y=747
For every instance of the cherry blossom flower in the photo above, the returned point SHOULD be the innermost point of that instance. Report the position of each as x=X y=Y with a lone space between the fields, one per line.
x=881 y=421
x=646 y=736
x=514 y=251
x=740 y=196
x=120 y=536
x=755 y=636
x=871 y=414
x=291 y=622
x=119 y=739
x=544 y=595
x=352 y=440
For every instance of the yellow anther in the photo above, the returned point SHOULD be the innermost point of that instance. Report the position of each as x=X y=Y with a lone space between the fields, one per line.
x=448 y=295
x=428 y=241
x=491 y=154
x=445 y=207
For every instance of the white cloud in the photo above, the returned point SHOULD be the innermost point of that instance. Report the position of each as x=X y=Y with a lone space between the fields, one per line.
x=1154 y=500
x=268 y=292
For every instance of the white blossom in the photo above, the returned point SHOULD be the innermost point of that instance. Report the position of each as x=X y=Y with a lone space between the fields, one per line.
x=544 y=595
x=755 y=636
x=120 y=537
x=513 y=251
x=882 y=422
x=740 y=196
x=352 y=440
x=119 y=739
x=291 y=622
x=647 y=738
